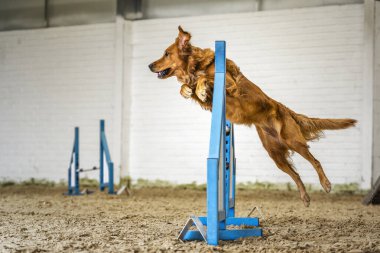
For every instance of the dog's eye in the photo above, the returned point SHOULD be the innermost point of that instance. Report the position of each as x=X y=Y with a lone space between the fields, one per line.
x=166 y=54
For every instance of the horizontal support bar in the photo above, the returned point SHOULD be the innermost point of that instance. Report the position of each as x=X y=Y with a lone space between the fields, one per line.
x=236 y=221
x=225 y=235
x=84 y=170
x=248 y=221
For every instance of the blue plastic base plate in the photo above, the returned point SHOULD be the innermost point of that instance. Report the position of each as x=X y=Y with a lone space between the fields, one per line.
x=200 y=224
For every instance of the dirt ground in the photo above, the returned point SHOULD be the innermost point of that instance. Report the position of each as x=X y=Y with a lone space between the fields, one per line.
x=41 y=219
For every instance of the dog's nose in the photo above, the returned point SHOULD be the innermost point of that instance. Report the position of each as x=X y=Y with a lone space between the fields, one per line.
x=151 y=66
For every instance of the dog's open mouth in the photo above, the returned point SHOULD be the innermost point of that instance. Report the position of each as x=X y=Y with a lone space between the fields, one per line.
x=163 y=73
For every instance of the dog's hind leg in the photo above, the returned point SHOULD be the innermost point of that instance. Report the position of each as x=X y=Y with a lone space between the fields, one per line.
x=303 y=150
x=283 y=164
x=296 y=142
x=279 y=153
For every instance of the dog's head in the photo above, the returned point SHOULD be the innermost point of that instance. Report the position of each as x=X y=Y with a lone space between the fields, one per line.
x=174 y=59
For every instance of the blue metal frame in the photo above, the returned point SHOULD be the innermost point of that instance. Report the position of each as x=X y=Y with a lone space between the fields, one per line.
x=221 y=172
x=74 y=159
x=104 y=151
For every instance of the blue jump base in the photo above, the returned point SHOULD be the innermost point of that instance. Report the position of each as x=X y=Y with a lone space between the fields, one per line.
x=221 y=173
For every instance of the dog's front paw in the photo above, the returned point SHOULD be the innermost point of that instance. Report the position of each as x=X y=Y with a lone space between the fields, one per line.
x=201 y=90
x=186 y=91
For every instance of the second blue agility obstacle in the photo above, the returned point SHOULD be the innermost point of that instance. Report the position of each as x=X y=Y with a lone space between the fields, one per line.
x=221 y=173
x=74 y=190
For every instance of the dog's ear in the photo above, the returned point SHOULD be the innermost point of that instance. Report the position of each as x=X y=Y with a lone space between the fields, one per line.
x=183 y=38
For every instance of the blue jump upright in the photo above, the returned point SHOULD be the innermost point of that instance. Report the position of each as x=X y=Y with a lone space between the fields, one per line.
x=74 y=159
x=74 y=190
x=221 y=173
x=104 y=151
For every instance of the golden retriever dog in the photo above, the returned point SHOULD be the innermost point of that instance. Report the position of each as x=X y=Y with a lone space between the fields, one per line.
x=280 y=129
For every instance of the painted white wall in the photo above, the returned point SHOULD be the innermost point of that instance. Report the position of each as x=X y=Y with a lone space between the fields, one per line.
x=50 y=81
x=309 y=59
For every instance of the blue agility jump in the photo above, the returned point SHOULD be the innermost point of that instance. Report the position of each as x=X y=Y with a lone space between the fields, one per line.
x=74 y=190
x=221 y=173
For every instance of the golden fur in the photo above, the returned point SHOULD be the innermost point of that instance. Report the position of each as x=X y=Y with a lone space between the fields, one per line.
x=280 y=129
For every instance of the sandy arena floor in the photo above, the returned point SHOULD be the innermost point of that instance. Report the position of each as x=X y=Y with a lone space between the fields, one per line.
x=37 y=219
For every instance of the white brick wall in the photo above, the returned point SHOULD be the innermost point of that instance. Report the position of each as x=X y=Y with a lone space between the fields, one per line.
x=54 y=79
x=309 y=59
x=50 y=81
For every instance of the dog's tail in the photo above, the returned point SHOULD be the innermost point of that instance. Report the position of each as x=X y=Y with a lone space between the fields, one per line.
x=312 y=128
